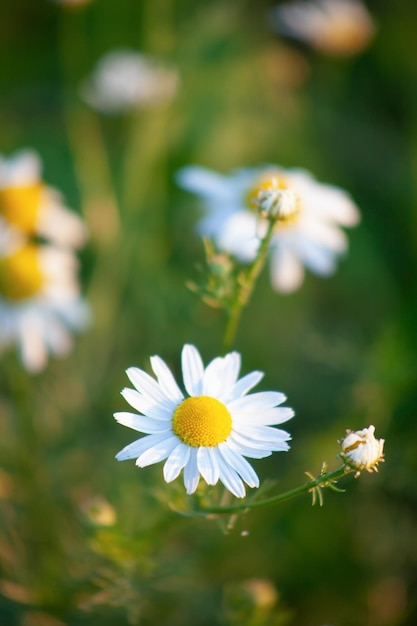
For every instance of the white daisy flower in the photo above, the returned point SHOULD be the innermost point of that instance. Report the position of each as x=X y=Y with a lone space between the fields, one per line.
x=361 y=450
x=307 y=234
x=126 y=79
x=39 y=300
x=208 y=430
x=28 y=204
x=334 y=27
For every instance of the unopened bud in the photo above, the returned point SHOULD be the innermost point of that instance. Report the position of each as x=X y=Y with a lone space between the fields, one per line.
x=361 y=451
x=278 y=202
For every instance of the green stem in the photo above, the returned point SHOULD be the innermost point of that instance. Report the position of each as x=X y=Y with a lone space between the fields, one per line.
x=231 y=326
x=246 y=288
x=85 y=135
x=324 y=480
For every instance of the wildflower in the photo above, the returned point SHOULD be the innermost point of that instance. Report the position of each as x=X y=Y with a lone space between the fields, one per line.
x=39 y=300
x=99 y=511
x=334 y=27
x=210 y=429
x=126 y=79
x=361 y=451
x=261 y=592
x=307 y=231
x=28 y=204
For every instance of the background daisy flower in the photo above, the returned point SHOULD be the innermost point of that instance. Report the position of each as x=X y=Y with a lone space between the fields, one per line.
x=39 y=300
x=207 y=431
x=125 y=79
x=28 y=204
x=335 y=27
x=311 y=236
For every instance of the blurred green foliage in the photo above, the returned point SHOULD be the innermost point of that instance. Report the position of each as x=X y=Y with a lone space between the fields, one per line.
x=84 y=540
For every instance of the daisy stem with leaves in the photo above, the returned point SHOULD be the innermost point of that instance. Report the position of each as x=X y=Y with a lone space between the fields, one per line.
x=314 y=486
x=245 y=285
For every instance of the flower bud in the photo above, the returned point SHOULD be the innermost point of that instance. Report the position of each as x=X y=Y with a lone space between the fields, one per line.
x=278 y=202
x=361 y=451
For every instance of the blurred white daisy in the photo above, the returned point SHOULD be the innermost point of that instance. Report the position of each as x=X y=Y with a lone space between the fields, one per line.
x=361 y=450
x=308 y=235
x=334 y=27
x=39 y=300
x=28 y=204
x=207 y=431
x=126 y=79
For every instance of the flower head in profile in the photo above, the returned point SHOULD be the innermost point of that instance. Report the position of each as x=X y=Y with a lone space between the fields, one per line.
x=34 y=208
x=126 y=79
x=308 y=215
x=209 y=429
x=361 y=450
x=334 y=27
x=39 y=299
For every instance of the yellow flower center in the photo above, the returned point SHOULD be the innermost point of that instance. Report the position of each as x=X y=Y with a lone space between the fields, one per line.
x=20 y=274
x=20 y=206
x=202 y=421
x=268 y=186
x=344 y=35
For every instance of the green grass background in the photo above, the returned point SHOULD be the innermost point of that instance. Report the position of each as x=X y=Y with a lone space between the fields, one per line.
x=343 y=349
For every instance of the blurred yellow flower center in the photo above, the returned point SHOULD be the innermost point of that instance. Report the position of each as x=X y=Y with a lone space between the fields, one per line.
x=20 y=274
x=20 y=205
x=270 y=180
x=273 y=194
x=202 y=421
x=343 y=35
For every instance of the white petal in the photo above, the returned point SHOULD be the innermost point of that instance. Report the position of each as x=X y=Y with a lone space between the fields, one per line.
x=325 y=234
x=148 y=386
x=136 y=448
x=266 y=417
x=32 y=343
x=330 y=203
x=287 y=273
x=57 y=337
x=142 y=423
x=207 y=465
x=220 y=376
x=158 y=452
x=246 y=383
x=191 y=473
x=75 y=314
x=230 y=478
x=176 y=461
x=59 y=224
x=316 y=257
x=266 y=436
x=232 y=363
x=240 y=235
x=243 y=468
x=212 y=380
x=234 y=441
x=211 y=223
x=257 y=401
x=192 y=370
x=166 y=380
x=20 y=170
x=248 y=440
x=203 y=182
x=145 y=405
